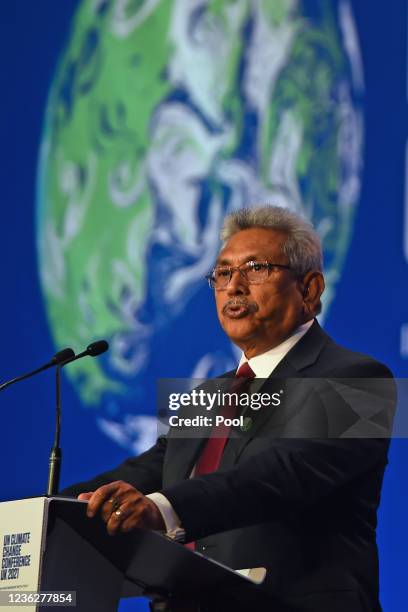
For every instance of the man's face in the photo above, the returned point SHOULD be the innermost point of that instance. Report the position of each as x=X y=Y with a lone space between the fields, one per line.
x=258 y=317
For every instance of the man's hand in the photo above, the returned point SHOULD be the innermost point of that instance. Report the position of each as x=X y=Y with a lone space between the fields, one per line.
x=123 y=508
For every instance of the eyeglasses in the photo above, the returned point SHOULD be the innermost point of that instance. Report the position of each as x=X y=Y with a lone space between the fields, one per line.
x=253 y=272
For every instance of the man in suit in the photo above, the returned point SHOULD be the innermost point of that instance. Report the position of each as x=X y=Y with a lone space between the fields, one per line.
x=298 y=493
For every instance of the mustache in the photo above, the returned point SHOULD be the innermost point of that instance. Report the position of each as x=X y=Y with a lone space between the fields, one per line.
x=234 y=302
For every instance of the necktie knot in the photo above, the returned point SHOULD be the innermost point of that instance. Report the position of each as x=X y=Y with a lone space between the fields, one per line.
x=245 y=371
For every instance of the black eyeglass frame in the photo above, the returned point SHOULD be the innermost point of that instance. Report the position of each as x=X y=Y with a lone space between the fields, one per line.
x=243 y=272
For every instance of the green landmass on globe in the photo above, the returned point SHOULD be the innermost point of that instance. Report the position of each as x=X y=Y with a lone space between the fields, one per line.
x=162 y=117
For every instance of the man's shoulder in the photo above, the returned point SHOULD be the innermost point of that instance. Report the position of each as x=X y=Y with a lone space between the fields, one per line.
x=337 y=360
x=318 y=355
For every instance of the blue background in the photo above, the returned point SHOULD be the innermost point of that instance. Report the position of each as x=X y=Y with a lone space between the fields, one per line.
x=367 y=315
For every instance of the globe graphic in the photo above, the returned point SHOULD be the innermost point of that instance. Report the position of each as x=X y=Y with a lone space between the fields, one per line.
x=163 y=117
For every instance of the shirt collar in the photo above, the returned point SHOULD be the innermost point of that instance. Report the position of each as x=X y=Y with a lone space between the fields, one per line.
x=264 y=364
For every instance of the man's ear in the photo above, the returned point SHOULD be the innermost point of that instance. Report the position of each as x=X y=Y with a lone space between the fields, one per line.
x=313 y=287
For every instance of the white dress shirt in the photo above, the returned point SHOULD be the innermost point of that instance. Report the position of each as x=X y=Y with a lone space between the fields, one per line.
x=262 y=365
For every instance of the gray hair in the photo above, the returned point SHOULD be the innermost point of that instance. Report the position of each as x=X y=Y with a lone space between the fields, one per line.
x=302 y=246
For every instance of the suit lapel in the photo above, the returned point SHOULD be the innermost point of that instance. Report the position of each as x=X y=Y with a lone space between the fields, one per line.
x=305 y=353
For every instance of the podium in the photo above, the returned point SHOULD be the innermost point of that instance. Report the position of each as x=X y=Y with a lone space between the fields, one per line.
x=49 y=545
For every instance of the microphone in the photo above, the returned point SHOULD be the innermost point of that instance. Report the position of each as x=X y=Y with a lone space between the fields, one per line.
x=54 y=465
x=59 y=358
x=93 y=350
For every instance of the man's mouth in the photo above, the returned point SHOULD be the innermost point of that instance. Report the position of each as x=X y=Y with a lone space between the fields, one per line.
x=238 y=309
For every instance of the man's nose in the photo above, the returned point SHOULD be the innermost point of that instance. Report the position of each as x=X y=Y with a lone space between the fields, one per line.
x=237 y=284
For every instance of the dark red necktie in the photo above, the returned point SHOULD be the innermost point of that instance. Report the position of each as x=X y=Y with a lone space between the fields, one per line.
x=211 y=455
x=210 y=458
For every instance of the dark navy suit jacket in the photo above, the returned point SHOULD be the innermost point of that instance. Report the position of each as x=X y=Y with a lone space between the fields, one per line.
x=297 y=494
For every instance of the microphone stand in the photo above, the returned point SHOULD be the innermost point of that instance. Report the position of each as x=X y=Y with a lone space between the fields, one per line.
x=54 y=463
x=60 y=359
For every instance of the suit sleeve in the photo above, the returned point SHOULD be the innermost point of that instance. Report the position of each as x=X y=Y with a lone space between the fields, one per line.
x=143 y=472
x=290 y=475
